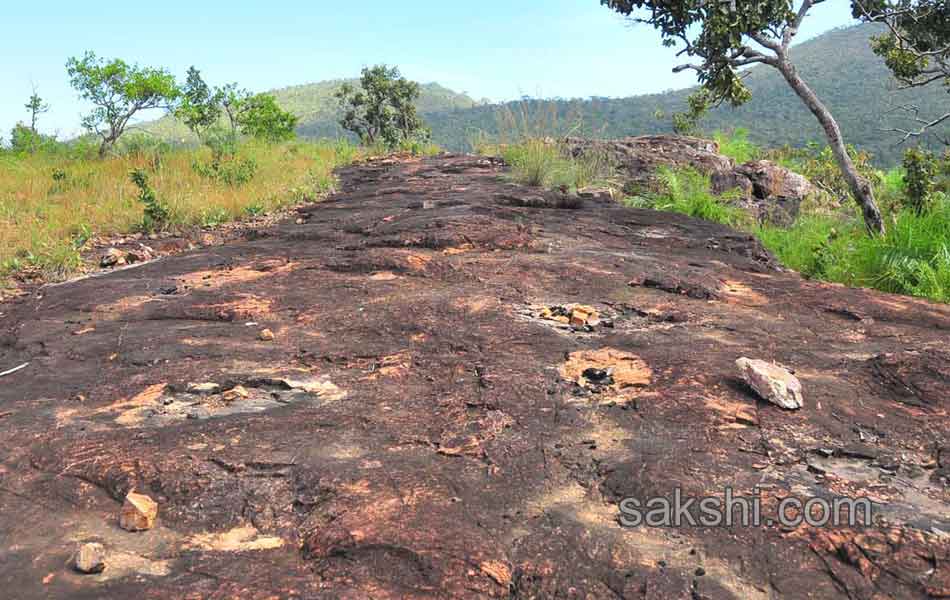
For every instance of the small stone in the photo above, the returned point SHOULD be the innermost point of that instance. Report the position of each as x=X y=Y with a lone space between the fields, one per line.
x=236 y=393
x=112 y=258
x=266 y=335
x=205 y=389
x=772 y=383
x=582 y=315
x=90 y=558
x=138 y=513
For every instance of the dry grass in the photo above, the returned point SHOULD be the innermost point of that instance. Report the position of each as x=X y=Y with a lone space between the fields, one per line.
x=50 y=205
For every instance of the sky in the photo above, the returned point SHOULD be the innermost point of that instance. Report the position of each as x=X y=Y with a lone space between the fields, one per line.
x=492 y=49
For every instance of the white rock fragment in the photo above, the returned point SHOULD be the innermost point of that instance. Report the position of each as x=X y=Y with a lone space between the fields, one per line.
x=772 y=383
x=90 y=558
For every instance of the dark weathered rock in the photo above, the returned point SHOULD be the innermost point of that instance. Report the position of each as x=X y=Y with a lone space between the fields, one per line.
x=414 y=432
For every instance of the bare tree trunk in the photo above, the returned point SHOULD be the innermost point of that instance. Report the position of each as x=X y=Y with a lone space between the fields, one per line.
x=860 y=188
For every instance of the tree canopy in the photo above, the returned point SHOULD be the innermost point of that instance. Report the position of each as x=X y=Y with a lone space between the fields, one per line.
x=915 y=47
x=382 y=108
x=719 y=38
x=200 y=106
x=117 y=91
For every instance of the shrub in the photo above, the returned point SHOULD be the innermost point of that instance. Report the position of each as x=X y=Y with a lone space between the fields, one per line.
x=920 y=168
x=540 y=162
x=156 y=214
x=234 y=172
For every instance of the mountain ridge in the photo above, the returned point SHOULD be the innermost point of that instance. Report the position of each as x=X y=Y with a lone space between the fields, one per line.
x=838 y=64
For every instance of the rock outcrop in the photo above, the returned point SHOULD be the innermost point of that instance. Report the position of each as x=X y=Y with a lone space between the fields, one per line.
x=464 y=386
x=769 y=192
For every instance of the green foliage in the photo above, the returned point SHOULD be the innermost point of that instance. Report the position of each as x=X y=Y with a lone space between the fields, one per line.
x=539 y=162
x=261 y=118
x=916 y=46
x=24 y=140
x=688 y=191
x=118 y=91
x=200 y=107
x=382 y=108
x=913 y=257
x=36 y=107
x=737 y=146
x=817 y=163
x=65 y=181
x=233 y=172
x=156 y=214
x=920 y=168
x=698 y=104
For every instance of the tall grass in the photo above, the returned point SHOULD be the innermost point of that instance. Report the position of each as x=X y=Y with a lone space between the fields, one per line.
x=913 y=258
x=687 y=191
x=527 y=141
x=737 y=146
x=51 y=205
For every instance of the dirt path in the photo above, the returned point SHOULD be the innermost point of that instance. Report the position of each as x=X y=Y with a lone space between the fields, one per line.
x=416 y=429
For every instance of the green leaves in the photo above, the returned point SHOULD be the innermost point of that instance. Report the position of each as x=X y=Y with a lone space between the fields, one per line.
x=718 y=33
x=117 y=92
x=260 y=117
x=200 y=107
x=382 y=108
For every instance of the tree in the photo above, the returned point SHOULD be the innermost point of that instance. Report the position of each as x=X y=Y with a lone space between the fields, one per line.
x=915 y=47
x=117 y=92
x=259 y=116
x=727 y=35
x=382 y=108
x=200 y=106
x=37 y=107
x=233 y=100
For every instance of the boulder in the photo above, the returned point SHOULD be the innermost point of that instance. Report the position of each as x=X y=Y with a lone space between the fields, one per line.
x=772 y=383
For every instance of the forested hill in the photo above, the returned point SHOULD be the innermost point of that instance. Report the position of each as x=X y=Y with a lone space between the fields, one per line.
x=318 y=110
x=839 y=65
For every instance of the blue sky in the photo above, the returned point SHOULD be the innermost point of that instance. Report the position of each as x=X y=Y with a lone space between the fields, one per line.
x=495 y=49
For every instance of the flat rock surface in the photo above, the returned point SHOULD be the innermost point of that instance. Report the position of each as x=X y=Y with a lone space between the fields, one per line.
x=449 y=441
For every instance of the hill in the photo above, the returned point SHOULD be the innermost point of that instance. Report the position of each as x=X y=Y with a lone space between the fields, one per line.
x=839 y=65
x=316 y=106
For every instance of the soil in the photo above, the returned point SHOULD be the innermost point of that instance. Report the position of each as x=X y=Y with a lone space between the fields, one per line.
x=414 y=429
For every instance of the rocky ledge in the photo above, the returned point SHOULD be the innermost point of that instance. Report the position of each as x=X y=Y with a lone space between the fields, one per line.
x=767 y=191
x=455 y=393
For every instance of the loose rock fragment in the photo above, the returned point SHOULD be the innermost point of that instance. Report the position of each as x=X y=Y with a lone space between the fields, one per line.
x=205 y=389
x=138 y=513
x=266 y=335
x=112 y=258
x=772 y=383
x=235 y=393
x=90 y=558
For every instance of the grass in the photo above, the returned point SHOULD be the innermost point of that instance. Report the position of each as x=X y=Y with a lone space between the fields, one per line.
x=737 y=146
x=542 y=162
x=687 y=191
x=51 y=205
x=913 y=258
